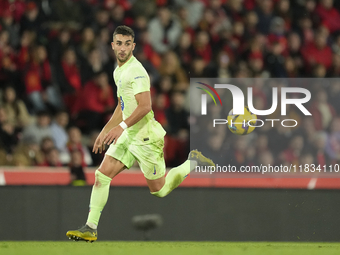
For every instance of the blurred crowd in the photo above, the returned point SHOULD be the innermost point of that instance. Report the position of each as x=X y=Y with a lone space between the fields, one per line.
x=56 y=66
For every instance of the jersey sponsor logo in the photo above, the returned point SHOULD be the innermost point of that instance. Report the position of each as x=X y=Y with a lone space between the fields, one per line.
x=138 y=77
x=121 y=103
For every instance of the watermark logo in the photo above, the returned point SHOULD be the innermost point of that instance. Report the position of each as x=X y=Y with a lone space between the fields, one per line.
x=204 y=97
x=239 y=102
x=238 y=99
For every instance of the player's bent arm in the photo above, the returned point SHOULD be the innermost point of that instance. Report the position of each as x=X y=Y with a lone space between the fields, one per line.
x=143 y=108
x=116 y=118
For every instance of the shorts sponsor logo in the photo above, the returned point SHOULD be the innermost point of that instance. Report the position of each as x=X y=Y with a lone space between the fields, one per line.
x=121 y=103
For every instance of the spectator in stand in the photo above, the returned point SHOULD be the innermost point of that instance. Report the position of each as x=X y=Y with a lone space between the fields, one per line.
x=60 y=45
x=40 y=128
x=15 y=108
x=319 y=145
x=31 y=20
x=52 y=158
x=195 y=10
x=236 y=155
x=329 y=16
x=279 y=139
x=335 y=70
x=201 y=47
x=27 y=42
x=294 y=52
x=139 y=27
x=307 y=159
x=159 y=106
x=8 y=24
x=93 y=65
x=267 y=159
x=102 y=21
x=103 y=45
x=321 y=110
x=197 y=68
x=76 y=169
x=250 y=24
x=265 y=16
x=277 y=46
x=305 y=29
x=68 y=12
x=38 y=82
x=96 y=158
x=8 y=66
x=8 y=136
x=60 y=136
x=87 y=44
x=95 y=103
x=46 y=144
x=141 y=55
x=334 y=95
x=317 y=52
x=144 y=45
x=183 y=50
x=59 y=133
x=177 y=116
x=215 y=146
x=28 y=153
x=178 y=126
x=68 y=76
x=308 y=131
x=293 y=153
x=283 y=10
x=261 y=144
x=171 y=67
x=146 y=8
x=117 y=15
x=333 y=141
x=75 y=143
x=219 y=68
x=164 y=31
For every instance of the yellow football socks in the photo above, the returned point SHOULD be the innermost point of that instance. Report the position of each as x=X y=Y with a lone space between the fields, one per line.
x=99 y=196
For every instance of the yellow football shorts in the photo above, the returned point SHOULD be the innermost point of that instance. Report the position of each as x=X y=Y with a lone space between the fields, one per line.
x=149 y=156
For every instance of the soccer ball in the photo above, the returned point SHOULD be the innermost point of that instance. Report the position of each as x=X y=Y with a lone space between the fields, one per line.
x=239 y=124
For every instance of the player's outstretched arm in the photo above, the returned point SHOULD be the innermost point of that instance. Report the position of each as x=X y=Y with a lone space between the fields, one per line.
x=114 y=121
x=143 y=108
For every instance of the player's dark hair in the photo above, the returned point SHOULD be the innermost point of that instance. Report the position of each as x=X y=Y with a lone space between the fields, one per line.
x=124 y=30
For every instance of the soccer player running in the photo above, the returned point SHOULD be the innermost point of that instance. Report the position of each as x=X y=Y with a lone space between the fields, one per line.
x=134 y=134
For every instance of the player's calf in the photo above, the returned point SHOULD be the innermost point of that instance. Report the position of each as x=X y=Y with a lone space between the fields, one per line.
x=176 y=175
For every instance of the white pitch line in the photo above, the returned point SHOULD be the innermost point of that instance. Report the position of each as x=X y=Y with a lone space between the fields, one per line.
x=312 y=183
x=2 y=179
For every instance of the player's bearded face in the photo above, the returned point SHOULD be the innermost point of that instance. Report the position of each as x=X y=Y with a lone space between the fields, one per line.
x=123 y=46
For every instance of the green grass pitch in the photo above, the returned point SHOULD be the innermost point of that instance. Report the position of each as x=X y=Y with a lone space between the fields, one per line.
x=165 y=248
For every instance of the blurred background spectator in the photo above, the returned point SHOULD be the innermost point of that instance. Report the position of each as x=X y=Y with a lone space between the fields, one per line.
x=76 y=168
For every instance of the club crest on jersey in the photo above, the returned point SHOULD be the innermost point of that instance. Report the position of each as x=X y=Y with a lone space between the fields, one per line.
x=121 y=103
